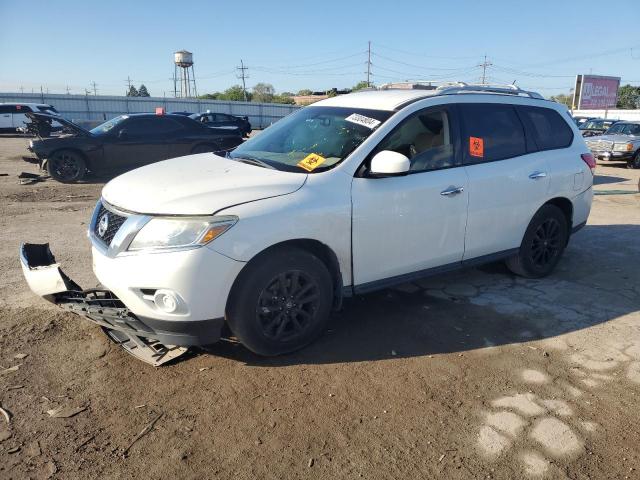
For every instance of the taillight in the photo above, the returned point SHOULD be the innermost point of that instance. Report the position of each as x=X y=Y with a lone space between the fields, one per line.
x=589 y=160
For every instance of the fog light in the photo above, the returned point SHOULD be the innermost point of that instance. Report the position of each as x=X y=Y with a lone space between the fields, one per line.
x=166 y=301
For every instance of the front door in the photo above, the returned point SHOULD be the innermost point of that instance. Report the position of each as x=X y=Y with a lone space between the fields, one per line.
x=135 y=142
x=405 y=224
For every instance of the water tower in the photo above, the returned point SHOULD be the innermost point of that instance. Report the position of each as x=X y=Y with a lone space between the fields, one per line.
x=184 y=78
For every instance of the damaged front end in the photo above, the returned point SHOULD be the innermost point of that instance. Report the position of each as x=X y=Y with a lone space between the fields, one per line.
x=46 y=279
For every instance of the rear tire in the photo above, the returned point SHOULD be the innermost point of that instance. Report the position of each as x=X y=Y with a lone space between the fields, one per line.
x=281 y=302
x=66 y=166
x=544 y=241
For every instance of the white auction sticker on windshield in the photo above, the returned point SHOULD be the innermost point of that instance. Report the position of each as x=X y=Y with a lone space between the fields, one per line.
x=362 y=120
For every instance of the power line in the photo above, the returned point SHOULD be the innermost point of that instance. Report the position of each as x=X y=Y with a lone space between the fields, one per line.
x=243 y=76
x=369 y=65
x=484 y=66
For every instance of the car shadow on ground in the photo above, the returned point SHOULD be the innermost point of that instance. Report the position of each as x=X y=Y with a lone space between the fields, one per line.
x=421 y=319
x=604 y=179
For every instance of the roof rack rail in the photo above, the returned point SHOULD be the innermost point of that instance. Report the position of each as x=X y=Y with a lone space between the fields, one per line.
x=461 y=87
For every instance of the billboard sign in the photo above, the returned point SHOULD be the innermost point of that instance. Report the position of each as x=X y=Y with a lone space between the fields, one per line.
x=595 y=92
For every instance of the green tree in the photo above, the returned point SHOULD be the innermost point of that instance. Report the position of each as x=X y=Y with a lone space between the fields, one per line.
x=628 y=97
x=263 y=93
x=305 y=92
x=132 y=92
x=360 y=85
x=142 y=91
x=564 y=99
x=234 y=94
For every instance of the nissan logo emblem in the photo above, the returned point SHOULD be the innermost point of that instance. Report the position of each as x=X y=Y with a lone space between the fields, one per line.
x=103 y=224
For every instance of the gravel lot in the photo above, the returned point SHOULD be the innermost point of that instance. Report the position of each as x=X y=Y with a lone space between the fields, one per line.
x=477 y=374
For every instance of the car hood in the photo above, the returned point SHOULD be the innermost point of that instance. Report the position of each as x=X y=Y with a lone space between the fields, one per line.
x=72 y=127
x=199 y=184
x=616 y=138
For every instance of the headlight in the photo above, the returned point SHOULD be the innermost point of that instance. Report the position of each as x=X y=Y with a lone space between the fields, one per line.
x=168 y=232
x=623 y=147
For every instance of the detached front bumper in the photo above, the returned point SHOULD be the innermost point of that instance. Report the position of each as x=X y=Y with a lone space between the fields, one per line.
x=135 y=333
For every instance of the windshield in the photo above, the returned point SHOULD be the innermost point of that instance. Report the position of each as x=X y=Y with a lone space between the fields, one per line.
x=108 y=125
x=625 y=129
x=312 y=139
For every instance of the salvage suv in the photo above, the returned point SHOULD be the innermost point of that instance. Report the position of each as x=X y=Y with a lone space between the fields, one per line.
x=353 y=194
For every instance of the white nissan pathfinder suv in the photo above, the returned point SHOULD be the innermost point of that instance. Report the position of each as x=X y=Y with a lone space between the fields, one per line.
x=352 y=194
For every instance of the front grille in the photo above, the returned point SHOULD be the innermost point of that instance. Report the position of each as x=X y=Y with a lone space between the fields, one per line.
x=600 y=145
x=114 y=223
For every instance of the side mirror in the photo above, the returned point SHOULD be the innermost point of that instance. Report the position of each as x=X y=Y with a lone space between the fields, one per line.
x=388 y=163
x=123 y=134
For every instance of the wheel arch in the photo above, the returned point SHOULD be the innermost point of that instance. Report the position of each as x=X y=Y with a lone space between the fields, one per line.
x=85 y=157
x=322 y=251
x=566 y=206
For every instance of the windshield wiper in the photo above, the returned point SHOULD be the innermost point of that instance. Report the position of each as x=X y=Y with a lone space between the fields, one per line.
x=254 y=161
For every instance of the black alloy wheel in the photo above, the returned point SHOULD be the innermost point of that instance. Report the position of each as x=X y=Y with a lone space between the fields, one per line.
x=66 y=166
x=287 y=305
x=546 y=243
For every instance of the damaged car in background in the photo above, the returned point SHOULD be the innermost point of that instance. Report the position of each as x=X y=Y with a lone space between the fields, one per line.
x=124 y=143
x=353 y=194
x=621 y=143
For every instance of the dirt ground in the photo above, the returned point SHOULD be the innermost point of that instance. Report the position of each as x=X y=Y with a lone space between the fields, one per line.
x=477 y=374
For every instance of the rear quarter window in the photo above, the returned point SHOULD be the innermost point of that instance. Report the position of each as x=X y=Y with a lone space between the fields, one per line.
x=496 y=130
x=549 y=129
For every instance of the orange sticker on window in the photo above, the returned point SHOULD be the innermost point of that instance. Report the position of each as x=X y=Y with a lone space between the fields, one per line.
x=311 y=162
x=476 y=147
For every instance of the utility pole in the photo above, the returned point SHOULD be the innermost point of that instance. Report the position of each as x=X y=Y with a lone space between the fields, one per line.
x=484 y=66
x=41 y=95
x=68 y=90
x=243 y=76
x=95 y=90
x=21 y=89
x=128 y=85
x=369 y=65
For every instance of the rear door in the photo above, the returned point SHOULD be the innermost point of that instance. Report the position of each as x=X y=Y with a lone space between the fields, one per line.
x=508 y=178
x=19 y=117
x=6 y=112
x=405 y=224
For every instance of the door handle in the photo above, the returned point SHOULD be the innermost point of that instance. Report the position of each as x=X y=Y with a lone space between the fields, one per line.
x=452 y=191
x=537 y=175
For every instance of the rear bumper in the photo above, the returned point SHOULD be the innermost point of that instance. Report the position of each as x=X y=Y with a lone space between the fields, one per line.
x=103 y=307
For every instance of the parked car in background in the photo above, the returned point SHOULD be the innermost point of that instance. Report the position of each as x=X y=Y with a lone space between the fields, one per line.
x=581 y=119
x=620 y=143
x=224 y=120
x=13 y=117
x=596 y=126
x=124 y=143
x=352 y=194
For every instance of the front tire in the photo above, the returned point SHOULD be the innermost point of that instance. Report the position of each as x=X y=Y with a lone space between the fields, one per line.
x=635 y=161
x=281 y=302
x=543 y=244
x=66 y=166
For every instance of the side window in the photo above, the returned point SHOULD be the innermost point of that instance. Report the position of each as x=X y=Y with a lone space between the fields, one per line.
x=549 y=129
x=165 y=125
x=493 y=132
x=137 y=127
x=6 y=109
x=425 y=138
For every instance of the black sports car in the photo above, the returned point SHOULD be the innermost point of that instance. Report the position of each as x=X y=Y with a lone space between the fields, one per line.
x=124 y=143
x=223 y=120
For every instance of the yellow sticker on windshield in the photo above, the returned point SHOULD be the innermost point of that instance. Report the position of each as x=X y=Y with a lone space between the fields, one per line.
x=311 y=162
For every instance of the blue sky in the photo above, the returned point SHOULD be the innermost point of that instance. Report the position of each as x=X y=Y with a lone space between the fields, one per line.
x=318 y=45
